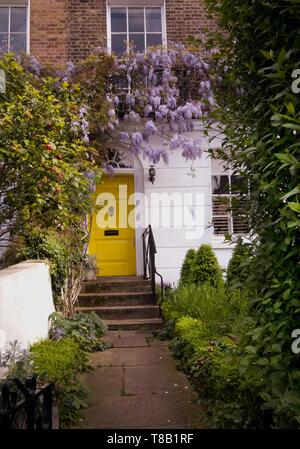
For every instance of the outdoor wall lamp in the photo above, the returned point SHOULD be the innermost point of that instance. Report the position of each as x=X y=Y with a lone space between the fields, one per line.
x=152 y=174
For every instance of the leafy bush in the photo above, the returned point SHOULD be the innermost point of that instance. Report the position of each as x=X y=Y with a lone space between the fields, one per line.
x=46 y=245
x=208 y=325
x=221 y=310
x=187 y=268
x=206 y=268
x=85 y=329
x=258 y=65
x=59 y=362
x=238 y=267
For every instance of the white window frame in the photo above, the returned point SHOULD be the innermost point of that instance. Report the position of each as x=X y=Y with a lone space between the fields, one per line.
x=27 y=31
x=163 y=19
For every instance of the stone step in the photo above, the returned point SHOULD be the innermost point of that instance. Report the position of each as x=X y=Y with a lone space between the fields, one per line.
x=139 y=324
x=115 y=286
x=123 y=312
x=115 y=299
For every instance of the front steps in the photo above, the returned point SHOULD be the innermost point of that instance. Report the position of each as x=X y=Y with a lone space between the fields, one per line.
x=125 y=303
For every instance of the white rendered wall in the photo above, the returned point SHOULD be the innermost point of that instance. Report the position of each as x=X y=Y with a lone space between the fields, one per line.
x=175 y=240
x=25 y=303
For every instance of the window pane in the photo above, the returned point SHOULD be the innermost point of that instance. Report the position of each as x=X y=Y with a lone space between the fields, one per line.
x=138 y=41
x=136 y=20
x=239 y=184
x=3 y=42
x=118 y=43
x=153 y=20
x=3 y=20
x=154 y=40
x=220 y=184
x=17 y=42
x=118 y=20
x=18 y=20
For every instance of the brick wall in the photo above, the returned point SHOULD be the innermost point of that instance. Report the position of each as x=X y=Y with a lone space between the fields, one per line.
x=49 y=31
x=187 y=17
x=64 y=30
x=87 y=19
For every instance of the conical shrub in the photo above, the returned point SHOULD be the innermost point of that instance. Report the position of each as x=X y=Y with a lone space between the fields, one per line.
x=186 y=272
x=239 y=265
x=206 y=267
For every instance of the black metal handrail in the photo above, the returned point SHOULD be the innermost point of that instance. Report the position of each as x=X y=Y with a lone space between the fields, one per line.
x=25 y=406
x=150 y=271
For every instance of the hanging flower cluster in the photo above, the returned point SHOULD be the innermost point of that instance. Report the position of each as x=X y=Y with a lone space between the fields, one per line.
x=159 y=93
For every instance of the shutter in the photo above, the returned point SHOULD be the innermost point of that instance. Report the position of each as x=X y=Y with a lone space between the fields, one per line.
x=221 y=215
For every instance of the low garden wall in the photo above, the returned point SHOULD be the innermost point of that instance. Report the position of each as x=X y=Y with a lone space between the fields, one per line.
x=25 y=303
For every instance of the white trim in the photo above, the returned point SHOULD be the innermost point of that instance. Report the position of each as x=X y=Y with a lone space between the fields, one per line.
x=28 y=27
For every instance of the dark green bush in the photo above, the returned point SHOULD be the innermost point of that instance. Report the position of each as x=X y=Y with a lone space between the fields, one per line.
x=60 y=362
x=206 y=268
x=186 y=272
x=85 y=329
x=238 y=267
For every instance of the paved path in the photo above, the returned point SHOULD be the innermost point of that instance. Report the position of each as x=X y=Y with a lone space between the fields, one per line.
x=137 y=385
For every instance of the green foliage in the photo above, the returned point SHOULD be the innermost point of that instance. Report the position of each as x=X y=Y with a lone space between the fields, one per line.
x=59 y=362
x=85 y=329
x=206 y=268
x=47 y=173
x=238 y=267
x=222 y=311
x=208 y=326
x=186 y=272
x=231 y=400
x=260 y=116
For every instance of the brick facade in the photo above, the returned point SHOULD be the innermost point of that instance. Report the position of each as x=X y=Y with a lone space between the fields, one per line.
x=49 y=30
x=64 y=30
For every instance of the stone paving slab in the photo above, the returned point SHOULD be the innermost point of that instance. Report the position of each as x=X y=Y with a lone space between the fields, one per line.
x=129 y=339
x=139 y=387
x=144 y=379
x=133 y=357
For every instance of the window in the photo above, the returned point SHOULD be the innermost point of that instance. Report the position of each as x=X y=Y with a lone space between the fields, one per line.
x=13 y=28
x=143 y=27
x=229 y=195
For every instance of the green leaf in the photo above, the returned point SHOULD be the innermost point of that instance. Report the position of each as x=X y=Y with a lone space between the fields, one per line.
x=294 y=206
x=295 y=191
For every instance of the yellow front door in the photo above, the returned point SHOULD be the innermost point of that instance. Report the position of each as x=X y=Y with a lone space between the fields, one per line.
x=112 y=234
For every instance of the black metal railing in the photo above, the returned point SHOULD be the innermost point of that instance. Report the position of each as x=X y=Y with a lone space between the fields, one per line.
x=25 y=406
x=150 y=271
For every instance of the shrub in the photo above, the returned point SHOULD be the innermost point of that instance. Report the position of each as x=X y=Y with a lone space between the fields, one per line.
x=231 y=399
x=187 y=268
x=46 y=245
x=238 y=267
x=59 y=362
x=85 y=329
x=206 y=268
x=208 y=325
x=221 y=310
